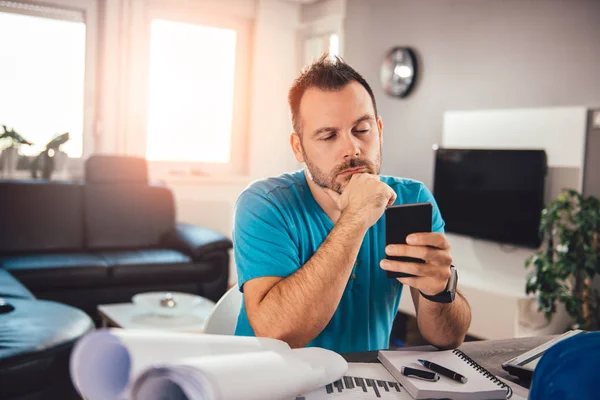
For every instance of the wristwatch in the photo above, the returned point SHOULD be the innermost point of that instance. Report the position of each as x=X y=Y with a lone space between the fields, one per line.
x=446 y=295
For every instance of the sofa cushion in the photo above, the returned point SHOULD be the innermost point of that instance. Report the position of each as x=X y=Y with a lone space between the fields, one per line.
x=153 y=265
x=40 y=216
x=127 y=216
x=10 y=287
x=109 y=168
x=35 y=344
x=57 y=270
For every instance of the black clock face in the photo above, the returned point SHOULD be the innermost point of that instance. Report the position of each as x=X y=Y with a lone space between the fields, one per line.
x=398 y=72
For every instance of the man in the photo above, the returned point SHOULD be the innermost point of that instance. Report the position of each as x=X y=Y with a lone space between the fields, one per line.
x=310 y=246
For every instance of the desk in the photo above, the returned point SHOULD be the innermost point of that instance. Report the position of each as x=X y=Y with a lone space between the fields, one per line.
x=488 y=353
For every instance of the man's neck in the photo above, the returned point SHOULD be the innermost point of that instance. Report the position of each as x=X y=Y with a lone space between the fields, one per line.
x=323 y=200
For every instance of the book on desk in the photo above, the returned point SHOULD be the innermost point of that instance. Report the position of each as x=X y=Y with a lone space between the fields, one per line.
x=477 y=382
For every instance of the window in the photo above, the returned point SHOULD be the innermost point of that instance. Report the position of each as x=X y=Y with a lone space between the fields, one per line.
x=198 y=94
x=192 y=71
x=42 y=74
x=321 y=31
x=334 y=44
x=315 y=46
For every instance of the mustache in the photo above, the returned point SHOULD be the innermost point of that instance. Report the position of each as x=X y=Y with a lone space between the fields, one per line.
x=355 y=163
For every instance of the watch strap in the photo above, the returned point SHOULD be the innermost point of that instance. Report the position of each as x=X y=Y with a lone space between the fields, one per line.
x=447 y=295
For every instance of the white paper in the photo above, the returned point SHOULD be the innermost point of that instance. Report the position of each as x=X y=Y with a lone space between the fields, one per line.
x=250 y=376
x=104 y=362
x=374 y=371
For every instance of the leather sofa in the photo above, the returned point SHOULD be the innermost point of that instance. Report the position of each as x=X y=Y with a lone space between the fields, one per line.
x=105 y=239
x=36 y=339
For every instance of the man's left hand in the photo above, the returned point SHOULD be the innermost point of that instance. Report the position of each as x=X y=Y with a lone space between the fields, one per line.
x=432 y=247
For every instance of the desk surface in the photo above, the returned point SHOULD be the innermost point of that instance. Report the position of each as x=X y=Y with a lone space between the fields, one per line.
x=488 y=353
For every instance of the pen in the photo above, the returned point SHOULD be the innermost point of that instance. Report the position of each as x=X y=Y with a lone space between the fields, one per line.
x=420 y=374
x=444 y=371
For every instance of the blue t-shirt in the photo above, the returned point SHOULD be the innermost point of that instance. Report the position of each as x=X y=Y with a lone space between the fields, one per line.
x=279 y=226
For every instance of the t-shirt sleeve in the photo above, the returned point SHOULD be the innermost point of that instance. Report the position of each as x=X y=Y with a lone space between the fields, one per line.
x=437 y=222
x=262 y=242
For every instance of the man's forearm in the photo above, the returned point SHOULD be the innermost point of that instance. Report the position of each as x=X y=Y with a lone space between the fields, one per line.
x=299 y=307
x=444 y=325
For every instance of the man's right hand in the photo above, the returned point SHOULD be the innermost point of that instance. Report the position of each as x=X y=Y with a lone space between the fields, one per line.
x=365 y=198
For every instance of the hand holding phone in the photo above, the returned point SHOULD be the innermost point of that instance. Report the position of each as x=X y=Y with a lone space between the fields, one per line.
x=402 y=220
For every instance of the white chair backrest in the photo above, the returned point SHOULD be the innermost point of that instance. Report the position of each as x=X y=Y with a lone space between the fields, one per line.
x=223 y=318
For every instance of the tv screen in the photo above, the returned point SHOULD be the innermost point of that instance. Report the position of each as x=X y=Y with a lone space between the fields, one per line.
x=491 y=194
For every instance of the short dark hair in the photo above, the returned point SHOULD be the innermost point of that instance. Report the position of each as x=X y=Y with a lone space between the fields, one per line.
x=327 y=73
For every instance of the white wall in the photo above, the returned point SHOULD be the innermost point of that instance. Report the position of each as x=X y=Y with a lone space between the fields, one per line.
x=560 y=131
x=274 y=68
x=323 y=9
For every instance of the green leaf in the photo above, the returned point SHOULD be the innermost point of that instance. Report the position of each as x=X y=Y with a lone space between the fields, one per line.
x=570 y=221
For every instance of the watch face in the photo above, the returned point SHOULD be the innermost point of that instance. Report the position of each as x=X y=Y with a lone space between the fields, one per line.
x=398 y=71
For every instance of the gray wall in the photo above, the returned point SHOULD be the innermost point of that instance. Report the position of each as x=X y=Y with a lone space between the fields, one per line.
x=475 y=54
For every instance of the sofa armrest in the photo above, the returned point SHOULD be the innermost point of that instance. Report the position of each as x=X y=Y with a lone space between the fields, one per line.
x=11 y=287
x=195 y=241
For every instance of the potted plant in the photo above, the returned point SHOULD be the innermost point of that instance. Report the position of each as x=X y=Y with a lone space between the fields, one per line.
x=564 y=267
x=51 y=158
x=10 y=154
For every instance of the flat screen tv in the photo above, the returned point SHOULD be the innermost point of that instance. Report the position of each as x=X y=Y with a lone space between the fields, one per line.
x=491 y=194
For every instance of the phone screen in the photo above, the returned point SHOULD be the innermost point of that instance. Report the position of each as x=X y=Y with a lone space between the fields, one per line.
x=402 y=220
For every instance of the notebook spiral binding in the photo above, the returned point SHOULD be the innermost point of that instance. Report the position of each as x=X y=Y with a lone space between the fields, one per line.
x=484 y=372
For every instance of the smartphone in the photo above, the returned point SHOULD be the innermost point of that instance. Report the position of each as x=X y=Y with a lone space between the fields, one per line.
x=402 y=220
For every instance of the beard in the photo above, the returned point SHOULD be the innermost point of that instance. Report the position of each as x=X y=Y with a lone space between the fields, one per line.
x=324 y=180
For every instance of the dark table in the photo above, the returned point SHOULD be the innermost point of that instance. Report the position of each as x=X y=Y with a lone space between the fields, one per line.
x=490 y=354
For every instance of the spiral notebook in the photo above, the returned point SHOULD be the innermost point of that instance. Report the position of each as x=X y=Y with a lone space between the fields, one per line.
x=481 y=384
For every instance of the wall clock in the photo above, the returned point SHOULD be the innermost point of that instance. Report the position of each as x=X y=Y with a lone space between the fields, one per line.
x=398 y=72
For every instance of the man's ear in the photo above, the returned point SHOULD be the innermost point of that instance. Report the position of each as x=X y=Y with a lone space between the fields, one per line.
x=380 y=126
x=296 y=144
